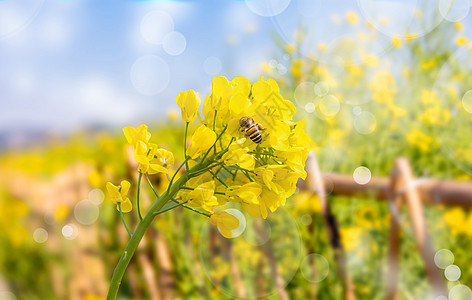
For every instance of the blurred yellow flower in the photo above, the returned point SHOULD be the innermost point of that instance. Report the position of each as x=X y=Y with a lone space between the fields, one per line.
x=296 y=68
x=459 y=26
x=61 y=212
x=420 y=140
x=396 y=42
x=352 y=18
x=306 y=202
x=409 y=37
x=435 y=115
x=322 y=46
x=189 y=102
x=265 y=67
x=461 y=40
x=290 y=48
x=119 y=195
x=351 y=237
x=172 y=114
x=456 y=219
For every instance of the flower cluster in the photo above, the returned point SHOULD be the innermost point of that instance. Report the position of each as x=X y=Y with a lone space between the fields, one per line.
x=246 y=150
x=258 y=176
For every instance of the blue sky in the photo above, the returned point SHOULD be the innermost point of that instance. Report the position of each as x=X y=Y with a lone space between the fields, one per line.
x=67 y=64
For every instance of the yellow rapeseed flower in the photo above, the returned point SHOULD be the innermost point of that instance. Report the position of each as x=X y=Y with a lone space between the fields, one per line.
x=203 y=138
x=189 y=102
x=203 y=196
x=225 y=222
x=119 y=195
x=134 y=135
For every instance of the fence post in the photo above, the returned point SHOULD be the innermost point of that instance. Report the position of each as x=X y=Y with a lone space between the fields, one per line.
x=394 y=203
x=415 y=210
x=315 y=183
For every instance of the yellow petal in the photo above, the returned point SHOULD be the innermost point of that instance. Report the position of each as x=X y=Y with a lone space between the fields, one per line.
x=155 y=168
x=125 y=185
x=126 y=206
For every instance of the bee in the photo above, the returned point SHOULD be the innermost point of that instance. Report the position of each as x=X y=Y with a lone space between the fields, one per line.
x=252 y=129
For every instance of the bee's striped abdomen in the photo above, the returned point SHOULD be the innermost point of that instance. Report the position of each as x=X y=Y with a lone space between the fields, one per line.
x=254 y=134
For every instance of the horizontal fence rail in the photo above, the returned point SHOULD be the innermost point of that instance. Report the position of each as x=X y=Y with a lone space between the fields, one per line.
x=432 y=191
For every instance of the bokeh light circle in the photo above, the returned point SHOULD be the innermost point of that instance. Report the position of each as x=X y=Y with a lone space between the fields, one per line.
x=86 y=212
x=454 y=10
x=314 y=267
x=306 y=219
x=467 y=101
x=452 y=273
x=155 y=25
x=263 y=232
x=304 y=93
x=212 y=66
x=321 y=88
x=362 y=175
x=460 y=292
x=70 y=231
x=96 y=196
x=150 y=75
x=17 y=15
x=40 y=235
x=365 y=122
x=242 y=221
x=329 y=106
x=310 y=107
x=174 y=43
x=267 y=8
x=356 y=110
x=265 y=244
x=443 y=258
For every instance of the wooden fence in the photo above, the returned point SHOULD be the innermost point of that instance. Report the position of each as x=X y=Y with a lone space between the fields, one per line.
x=401 y=188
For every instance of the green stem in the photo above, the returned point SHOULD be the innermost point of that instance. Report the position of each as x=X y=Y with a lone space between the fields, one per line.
x=137 y=197
x=194 y=210
x=185 y=146
x=191 y=189
x=199 y=172
x=214 y=144
x=176 y=172
x=152 y=187
x=214 y=125
x=170 y=208
x=217 y=178
x=144 y=225
x=123 y=219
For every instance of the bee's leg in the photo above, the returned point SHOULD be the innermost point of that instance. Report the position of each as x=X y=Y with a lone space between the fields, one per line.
x=260 y=127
